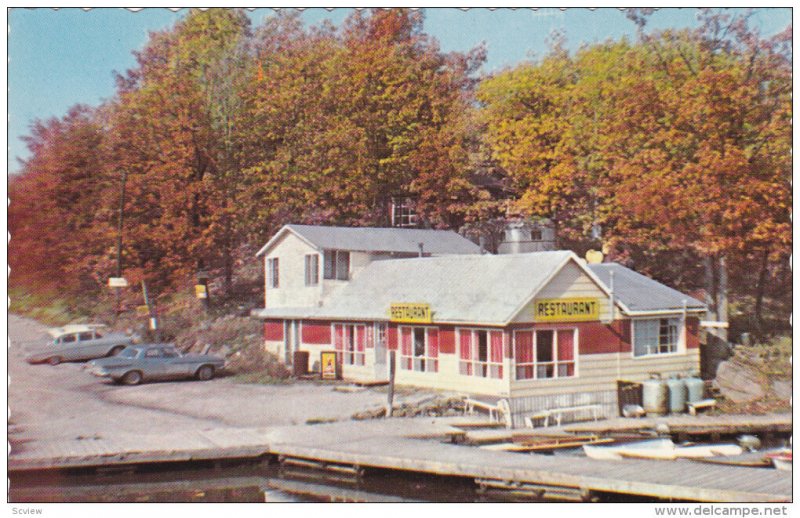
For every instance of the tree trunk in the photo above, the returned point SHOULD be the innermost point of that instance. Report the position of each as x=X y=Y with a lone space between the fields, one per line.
x=760 y=289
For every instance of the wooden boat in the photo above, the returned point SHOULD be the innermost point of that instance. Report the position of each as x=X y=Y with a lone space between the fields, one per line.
x=782 y=459
x=615 y=452
x=547 y=443
x=685 y=452
x=746 y=460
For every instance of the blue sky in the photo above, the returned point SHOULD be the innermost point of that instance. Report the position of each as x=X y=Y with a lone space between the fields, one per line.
x=58 y=58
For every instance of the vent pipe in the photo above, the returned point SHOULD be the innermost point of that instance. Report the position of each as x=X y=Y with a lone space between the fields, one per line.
x=421 y=249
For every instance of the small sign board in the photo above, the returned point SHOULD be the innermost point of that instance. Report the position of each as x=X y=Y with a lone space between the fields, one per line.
x=581 y=309
x=200 y=291
x=714 y=323
x=410 y=312
x=142 y=311
x=117 y=282
x=327 y=360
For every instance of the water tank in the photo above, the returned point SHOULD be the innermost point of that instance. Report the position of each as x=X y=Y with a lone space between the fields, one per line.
x=695 y=388
x=677 y=395
x=655 y=395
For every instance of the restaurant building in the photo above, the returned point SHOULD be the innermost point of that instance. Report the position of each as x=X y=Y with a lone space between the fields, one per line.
x=541 y=329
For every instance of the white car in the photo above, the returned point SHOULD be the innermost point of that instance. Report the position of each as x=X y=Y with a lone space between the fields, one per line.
x=79 y=342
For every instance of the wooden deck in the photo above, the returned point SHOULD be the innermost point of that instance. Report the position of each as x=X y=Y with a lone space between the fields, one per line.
x=690 y=425
x=388 y=444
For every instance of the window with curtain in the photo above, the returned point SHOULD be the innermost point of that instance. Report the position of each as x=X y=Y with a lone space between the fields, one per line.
x=545 y=353
x=419 y=348
x=350 y=341
x=655 y=336
x=336 y=265
x=480 y=353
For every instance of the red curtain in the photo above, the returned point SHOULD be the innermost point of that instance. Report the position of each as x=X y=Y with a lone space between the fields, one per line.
x=496 y=346
x=405 y=341
x=566 y=345
x=360 y=338
x=465 y=344
x=338 y=338
x=433 y=343
x=523 y=346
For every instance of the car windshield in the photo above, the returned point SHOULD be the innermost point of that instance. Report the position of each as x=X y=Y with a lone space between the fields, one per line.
x=128 y=352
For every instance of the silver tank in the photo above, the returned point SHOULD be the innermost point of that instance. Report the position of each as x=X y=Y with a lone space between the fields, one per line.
x=655 y=395
x=677 y=395
x=695 y=388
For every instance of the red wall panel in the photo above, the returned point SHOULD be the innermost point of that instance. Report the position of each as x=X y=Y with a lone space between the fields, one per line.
x=316 y=332
x=392 y=337
x=597 y=338
x=273 y=330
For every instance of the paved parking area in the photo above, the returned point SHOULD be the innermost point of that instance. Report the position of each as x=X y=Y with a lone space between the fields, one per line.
x=64 y=402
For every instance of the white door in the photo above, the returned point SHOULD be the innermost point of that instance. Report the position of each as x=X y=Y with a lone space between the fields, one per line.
x=381 y=363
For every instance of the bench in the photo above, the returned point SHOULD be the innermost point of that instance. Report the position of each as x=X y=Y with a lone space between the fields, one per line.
x=559 y=413
x=697 y=405
x=498 y=412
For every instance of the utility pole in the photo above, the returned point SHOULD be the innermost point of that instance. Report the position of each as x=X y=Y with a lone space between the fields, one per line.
x=120 y=219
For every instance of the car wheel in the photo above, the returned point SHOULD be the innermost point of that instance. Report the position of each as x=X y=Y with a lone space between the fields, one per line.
x=116 y=350
x=205 y=373
x=132 y=378
x=54 y=360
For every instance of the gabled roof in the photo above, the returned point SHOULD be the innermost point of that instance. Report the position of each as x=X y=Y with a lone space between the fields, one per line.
x=366 y=239
x=477 y=289
x=638 y=293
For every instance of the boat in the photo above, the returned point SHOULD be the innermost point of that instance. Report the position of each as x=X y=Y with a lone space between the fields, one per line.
x=781 y=459
x=685 y=452
x=546 y=443
x=615 y=452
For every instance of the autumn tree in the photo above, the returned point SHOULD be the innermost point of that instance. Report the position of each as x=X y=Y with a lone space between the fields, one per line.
x=59 y=231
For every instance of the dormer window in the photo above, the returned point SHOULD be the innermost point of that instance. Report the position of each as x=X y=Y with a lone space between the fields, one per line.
x=337 y=265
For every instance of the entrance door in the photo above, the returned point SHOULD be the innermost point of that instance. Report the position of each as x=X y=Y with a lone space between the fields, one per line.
x=381 y=363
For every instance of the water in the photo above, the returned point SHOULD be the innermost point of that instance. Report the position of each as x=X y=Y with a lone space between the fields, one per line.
x=243 y=483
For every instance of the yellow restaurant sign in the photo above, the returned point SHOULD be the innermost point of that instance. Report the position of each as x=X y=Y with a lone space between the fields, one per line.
x=410 y=312
x=566 y=310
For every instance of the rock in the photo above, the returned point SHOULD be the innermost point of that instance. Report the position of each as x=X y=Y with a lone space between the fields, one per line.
x=782 y=389
x=741 y=379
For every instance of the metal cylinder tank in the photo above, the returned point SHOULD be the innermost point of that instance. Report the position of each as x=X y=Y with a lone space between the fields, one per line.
x=695 y=388
x=677 y=395
x=655 y=396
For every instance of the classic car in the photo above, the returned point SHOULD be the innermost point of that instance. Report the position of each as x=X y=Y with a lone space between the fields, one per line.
x=147 y=362
x=80 y=342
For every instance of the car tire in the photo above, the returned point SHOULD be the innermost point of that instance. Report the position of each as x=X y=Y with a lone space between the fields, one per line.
x=132 y=378
x=116 y=350
x=54 y=360
x=205 y=373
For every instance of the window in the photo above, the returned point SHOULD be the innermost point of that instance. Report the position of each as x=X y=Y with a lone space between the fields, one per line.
x=98 y=335
x=337 y=265
x=403 y=215
x=153 y=353
x=480 y=353
x=545 y=353
x=273 y=276
x=85 y=337
x=68 y=339
x=349 y=340
x=312 y=270
x=655 y=336
x=171 y=353
x=419 y=349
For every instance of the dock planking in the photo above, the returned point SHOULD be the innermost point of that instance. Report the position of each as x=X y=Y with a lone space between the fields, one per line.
x=386 y=444
x=690 y=425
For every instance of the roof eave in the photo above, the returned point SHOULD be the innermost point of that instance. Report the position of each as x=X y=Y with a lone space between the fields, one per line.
x=279 y=234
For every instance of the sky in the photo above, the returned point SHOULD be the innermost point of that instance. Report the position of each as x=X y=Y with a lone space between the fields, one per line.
x=59 y=58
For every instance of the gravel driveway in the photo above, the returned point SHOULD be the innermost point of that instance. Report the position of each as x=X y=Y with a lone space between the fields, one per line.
x=65 y=402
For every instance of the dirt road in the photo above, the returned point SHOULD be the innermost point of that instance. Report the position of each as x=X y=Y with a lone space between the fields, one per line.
x=66 y=402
